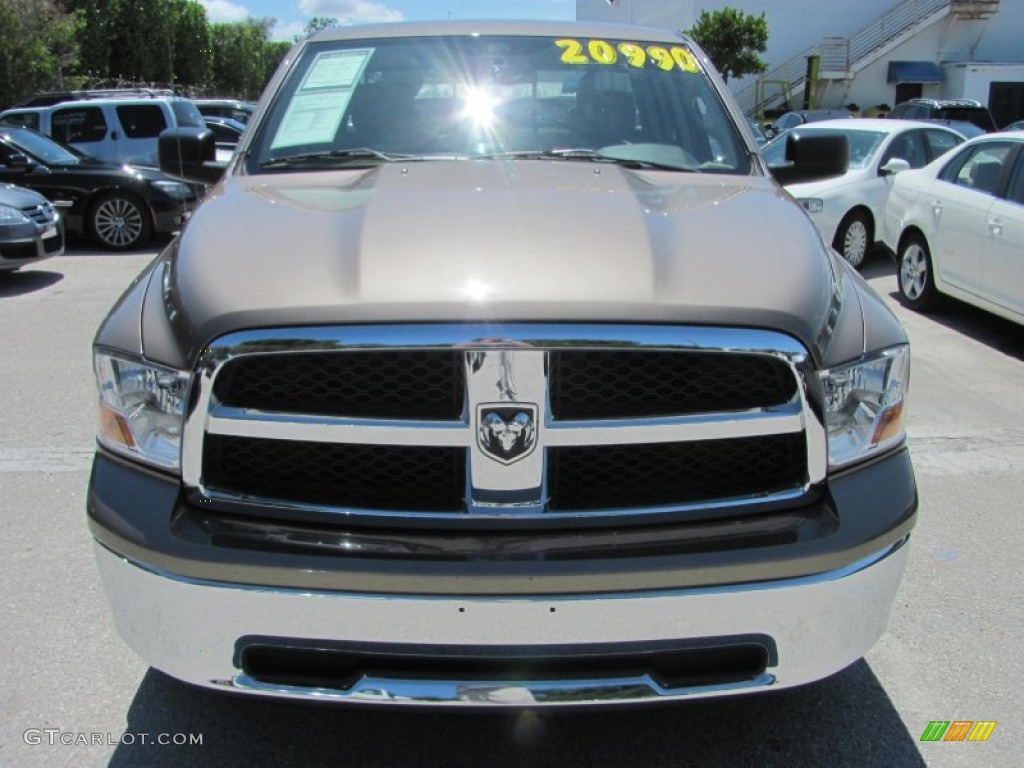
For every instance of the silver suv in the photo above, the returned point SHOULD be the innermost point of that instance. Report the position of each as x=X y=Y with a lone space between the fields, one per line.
x=497 y=370
x=117 y=130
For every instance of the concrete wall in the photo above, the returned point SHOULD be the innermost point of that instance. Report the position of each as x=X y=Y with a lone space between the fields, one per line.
x=796 y=25
x=946 y=44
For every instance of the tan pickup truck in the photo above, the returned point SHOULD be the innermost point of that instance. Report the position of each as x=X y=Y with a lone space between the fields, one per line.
x=497 y=370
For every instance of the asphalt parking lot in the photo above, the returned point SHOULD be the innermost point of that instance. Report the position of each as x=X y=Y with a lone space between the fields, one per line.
x=952 y=651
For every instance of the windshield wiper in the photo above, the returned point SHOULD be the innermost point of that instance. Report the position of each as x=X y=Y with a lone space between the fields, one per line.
x=333 y=156
x=592 y=155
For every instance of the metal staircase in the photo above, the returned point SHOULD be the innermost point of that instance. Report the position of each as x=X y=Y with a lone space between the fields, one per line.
x=841 y=58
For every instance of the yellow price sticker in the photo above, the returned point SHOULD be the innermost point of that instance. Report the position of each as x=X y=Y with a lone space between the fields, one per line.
x=577 y=52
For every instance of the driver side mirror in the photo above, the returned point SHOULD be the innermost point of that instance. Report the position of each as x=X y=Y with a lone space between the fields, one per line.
x=812 y=157
x=18 y=162
x=893 y=166
x=190 y=154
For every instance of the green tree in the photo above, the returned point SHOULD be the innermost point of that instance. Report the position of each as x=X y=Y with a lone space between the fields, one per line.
x=732 y=40
x=38 y=48
x=316 y=24
x=193 y=44
x=143 y=42
x=96 y=36
x=273 y=52
x=243 y=57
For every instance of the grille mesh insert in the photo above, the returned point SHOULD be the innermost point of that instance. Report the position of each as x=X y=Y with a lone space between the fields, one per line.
x=616 y=476
x=380 y=477
x=407 y=384
x=602 y=384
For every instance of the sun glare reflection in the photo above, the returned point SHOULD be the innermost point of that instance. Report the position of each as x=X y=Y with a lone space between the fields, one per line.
x=479 y=107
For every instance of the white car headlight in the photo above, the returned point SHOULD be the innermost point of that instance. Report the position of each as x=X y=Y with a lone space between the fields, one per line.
x=142 y=409
x=812 y=204
x=9 y=215
x=865 y=405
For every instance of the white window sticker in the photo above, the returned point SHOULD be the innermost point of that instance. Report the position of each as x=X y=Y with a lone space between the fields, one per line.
x=315 y=112
x=312 y=118
x=335 y=69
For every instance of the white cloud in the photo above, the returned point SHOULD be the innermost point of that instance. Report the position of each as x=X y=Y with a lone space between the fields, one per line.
x=218 y=11
x=351 y=11
x=288 y=31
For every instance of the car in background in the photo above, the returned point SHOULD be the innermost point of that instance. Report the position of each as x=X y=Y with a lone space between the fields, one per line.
x=759 y=134
x=966 y=110
x=1017 y=125
x=848 y=209
x=957 y=228
x=30 y=228
x=119 y=130
x=49 y=98
x=226 y=135
x=791 y=120
x=235 y=110
x=118 y=206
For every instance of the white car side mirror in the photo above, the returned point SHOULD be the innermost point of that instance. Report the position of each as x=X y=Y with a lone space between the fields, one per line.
x=893 y=166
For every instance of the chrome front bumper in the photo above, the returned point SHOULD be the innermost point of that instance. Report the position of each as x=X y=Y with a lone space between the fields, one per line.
x=191 y=630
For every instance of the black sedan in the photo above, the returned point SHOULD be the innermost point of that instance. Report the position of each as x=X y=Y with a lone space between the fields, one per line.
x=119 y=207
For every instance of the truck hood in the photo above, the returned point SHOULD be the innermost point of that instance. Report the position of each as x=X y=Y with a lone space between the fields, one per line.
x=492 y=241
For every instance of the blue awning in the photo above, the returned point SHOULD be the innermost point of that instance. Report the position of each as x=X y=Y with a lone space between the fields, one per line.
x=914 y=72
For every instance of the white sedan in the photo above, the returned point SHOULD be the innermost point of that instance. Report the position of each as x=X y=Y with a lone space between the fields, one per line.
x=957 y=227
x=848 y=209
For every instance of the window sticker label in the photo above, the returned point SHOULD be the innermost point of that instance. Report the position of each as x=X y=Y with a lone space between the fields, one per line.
x=335 y=69
x=635 y=55
x=316 y=111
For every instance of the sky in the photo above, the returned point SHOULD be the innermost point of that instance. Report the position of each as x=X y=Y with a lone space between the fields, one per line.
x=292 y=15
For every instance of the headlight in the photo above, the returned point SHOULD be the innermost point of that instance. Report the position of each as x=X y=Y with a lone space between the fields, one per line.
x=9 y=215
x=812 y=204
x=865 y=405
x=174 y=189
x=142 y=409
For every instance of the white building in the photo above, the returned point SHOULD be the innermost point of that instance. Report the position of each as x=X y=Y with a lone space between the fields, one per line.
x=873 y=52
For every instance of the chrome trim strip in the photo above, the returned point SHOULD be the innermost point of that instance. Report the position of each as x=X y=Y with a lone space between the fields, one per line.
x=512 y=336
x=677 y=429
x=824 y=577
x=803 y=413
x=518 y=693
x=238 y=422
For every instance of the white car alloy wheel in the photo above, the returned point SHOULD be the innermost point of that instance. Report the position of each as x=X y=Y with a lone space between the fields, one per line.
x=853 y=239
x=120 y=222
x=913 y=272
x=916 y=282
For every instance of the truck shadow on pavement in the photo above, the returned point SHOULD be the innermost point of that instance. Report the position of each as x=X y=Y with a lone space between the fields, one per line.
x=29 y=281
x=847 y=720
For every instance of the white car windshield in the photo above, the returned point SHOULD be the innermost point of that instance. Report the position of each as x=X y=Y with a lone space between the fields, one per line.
x=863 y=146
x=474 y=97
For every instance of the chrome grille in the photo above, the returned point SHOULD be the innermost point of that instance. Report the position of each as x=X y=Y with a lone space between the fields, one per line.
x=464 y=421
x=602 y=384
x=408 y=384
x=41 y=214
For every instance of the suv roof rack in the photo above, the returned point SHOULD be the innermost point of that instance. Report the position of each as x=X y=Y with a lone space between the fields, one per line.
x=50 y=98
x=947 y=102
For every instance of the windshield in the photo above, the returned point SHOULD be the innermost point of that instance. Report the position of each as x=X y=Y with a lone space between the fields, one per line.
x=863 y=146
x=495 y=96
x=47 y=150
